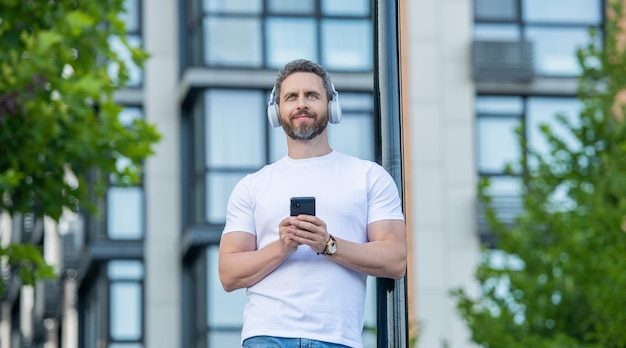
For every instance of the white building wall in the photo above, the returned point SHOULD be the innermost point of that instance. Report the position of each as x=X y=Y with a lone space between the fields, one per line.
x=162 y=180
x=441 y=120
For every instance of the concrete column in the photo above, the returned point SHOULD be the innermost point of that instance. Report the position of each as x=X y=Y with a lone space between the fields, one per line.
x=162 y=188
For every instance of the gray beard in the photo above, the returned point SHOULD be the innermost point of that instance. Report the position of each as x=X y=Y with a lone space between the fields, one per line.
x=305 y=132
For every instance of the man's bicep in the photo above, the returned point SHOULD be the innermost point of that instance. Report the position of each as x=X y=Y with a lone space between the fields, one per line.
x=389 y=230
x=233 y=242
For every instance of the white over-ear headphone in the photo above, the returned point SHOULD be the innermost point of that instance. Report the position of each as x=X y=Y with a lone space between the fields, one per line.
x=334 y=110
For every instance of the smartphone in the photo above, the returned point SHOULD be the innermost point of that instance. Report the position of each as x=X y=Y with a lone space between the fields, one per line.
x=302 y=205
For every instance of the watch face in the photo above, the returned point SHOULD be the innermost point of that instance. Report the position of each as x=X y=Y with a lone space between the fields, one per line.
x=332 y=247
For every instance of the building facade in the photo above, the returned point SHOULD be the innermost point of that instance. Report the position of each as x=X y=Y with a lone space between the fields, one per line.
x=144 y=274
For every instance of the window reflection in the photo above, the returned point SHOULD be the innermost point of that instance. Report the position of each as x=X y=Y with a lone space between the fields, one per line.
x=290 y=38
x=563 y=11
x=256 y=33
x=346 y=7
x=292 y=7
x=125 y=302
x=543 y=110
x=495 y=9
x=232 y=42
x=555 y=49
x=233 y=6
x=348 y=51
x=125 y=212
x=235 y=124
x=557 y=28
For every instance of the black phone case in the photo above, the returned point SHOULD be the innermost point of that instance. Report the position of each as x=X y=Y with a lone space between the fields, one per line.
x=302 y=205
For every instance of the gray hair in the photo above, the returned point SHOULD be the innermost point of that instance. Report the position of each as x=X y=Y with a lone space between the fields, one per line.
x=303 y=65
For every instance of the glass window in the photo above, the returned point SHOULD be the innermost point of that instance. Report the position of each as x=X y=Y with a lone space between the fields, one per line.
x=126 y=300
x=555 y=49
x=556 y=28
x=346 y=7
x=130 y=114
x=233 y=6
x=278 y=144
x=235 y=126
x=349 y=51
x=563 y=11
x=125 y=311
x=135 y=73
x=500 y=105
x=292 y=7
x=505 y=186
x=219 y=188
x=290 y=38
x=232 y=42
x=131 y=16
x=543 y=110
x=354 y=135
x=125 y=212
x=248 y=33
x=495 y=9
x=125 y=270
x=225 y=310
x=496 y=32
x=497 y=143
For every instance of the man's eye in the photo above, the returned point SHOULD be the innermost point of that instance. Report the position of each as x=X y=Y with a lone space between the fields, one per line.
x=312 y=96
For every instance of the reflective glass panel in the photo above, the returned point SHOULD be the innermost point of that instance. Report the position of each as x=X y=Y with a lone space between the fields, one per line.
x=125 y=345
x=125 y=212
x=135 y=74
x=562 y=11
x=131 y=16
x=346 y=8
x=219 y=187
x=352 y=50
x=232 y=41
x=500 y=105
x=278 y=144
x=125 y=270
x=356 y=101
x=233 y=6
x=130 y=114
x=235 y=124
x=224 y=309
x=543 y=110
x=125 y=318
x=555 y=49
x=354 y=135
x=289 y=39
x=504 y=186
x=290 y=6
x=498 y=144
x=224 y=339
x=495 y=32
x=495 y=9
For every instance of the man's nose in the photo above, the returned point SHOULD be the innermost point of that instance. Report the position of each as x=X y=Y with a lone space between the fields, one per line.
x=302 y=102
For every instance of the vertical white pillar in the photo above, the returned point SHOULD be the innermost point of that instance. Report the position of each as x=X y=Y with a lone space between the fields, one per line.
x=162 y=183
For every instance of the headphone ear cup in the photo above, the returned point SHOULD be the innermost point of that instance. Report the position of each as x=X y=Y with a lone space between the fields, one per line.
x=334 y=109
x=273 y=115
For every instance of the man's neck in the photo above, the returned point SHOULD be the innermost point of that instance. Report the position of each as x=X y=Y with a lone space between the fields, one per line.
x=300 y=149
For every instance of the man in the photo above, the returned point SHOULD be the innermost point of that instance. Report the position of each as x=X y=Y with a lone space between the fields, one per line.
x=306 y=275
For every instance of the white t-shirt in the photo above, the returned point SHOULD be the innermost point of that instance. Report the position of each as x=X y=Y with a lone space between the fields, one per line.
x=309 y=295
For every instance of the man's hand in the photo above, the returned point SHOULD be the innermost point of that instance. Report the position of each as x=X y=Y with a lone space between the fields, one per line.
x=309 y=230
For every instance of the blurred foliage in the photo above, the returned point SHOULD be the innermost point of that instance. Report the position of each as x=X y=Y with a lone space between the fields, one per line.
x=565 y=258
x=60 y=138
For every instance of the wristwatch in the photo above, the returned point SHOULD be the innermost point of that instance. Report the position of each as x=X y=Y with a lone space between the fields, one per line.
x=331 y=246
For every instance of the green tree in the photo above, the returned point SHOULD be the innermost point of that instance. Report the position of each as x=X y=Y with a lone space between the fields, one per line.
x=61 y=142
x=566 y=253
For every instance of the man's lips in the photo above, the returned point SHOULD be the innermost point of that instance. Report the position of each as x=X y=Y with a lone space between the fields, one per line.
x=301 y=116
